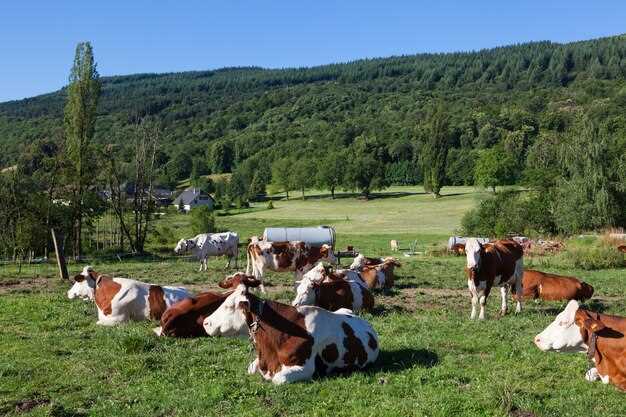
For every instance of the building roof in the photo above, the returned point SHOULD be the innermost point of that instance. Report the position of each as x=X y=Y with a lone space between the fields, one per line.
x=189 y=195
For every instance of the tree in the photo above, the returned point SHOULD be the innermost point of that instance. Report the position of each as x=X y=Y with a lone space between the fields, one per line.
x=494 y=167
x=303 y=174
x=202 y=220
x=142 y=170
x=435 y=151
x=365 y=165
x=282 y=174
x=331 y=171
x=80 y=120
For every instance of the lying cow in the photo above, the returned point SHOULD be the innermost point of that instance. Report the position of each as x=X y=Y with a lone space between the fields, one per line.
x=185 y=318
x=622 y=248
x=211 y=244
x=551 y=287
x=458 y=249
x=381 y=275
x=600 y=335
x=319 y=287
x=498 y=263
x=121 y=299
x=295 y=256
x=361 y=260
x=293 y=343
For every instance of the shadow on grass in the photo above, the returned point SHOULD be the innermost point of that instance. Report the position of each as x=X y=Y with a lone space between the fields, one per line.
x=401 y=359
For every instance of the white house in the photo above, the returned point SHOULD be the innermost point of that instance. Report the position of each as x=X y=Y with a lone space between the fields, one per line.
x=193 y=197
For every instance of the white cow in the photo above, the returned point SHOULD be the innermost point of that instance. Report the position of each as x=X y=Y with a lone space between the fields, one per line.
x=211 y=244
x=121 y=299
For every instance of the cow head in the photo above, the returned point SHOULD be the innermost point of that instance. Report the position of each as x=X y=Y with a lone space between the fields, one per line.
x=358 y=263
x=230 y=318
x=586 y=291
x=307 y=287
x=474 y=251
x=564 y=333
x=326 y=251
x=84 y=285
x=181 y=247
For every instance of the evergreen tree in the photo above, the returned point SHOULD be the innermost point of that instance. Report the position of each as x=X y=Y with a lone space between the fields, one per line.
x=80 y=120
x=435 y=151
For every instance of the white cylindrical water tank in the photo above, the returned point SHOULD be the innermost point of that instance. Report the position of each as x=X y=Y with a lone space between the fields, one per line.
x=314 y=236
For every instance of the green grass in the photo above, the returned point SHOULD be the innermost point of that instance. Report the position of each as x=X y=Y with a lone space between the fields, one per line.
x=434 y=361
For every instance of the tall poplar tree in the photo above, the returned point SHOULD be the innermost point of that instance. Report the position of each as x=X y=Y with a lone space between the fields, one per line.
x=83 y=93
x=435 y=152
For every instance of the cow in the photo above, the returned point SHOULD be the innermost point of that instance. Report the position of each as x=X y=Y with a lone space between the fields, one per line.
x=122 y=299
x=361 y=260
x=622 y=248
x=600 y=335
x=295 y=256
x=498 y=263
x=293 y=343
x=185 y=318
x=381 y=275
x=317 y=289
x=394 y=245
x=458 y=249
x=211 y=244
x=551 y=287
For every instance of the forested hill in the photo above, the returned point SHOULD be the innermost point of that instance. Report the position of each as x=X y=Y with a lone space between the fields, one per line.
x=215 y=120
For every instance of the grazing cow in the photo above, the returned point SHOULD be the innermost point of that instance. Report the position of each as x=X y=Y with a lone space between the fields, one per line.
x=293 y=343
x=551 y=287
x=332 y=294
x=395 y=245
x=295 y=256
x=185 y=318
x=361 y=260
x=600 y=335
x=121 y=299
x=499 y=263
x=211 y=244
x=380 y=276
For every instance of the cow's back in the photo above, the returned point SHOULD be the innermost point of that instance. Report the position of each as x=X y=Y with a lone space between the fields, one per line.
x=502 y=257
x=185 y=318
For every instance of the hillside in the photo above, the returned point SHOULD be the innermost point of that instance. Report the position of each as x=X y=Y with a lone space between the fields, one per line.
x=272 y=113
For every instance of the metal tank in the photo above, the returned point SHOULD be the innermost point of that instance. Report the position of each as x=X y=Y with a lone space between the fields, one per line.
x=314 y=236
x=461 y=240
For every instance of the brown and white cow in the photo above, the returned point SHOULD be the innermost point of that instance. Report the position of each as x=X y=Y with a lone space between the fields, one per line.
x=295 y=256
x=552 y=287
x=323 y=288
x=361 y=260
x=622 y=248
x=498 y=263
x=293 y=343
x=600 y=335
x=381 y=275
x=458 y=249
x=122 y=299
x=185 y=318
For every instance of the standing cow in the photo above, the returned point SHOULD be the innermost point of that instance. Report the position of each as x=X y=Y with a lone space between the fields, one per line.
x=499 y=263
x=296 y=256
x=211 y=244
x=121 y=299
x=293 y=343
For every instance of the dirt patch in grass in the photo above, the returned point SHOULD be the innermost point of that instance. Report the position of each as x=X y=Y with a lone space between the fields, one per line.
x=12 y=286
x=26 y=405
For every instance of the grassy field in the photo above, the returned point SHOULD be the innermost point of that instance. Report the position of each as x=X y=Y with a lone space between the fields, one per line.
x=434 y=361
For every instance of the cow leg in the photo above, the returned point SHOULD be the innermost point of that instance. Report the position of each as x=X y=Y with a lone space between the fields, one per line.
x=474 y=296
x=519 y=283
x=592 y=375
x=292 y=374
x=483 y=293
x=503 y=293
x=253 y=367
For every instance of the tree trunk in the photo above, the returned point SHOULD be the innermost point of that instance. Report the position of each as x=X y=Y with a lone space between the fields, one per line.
x=332 y=192
x=303 y=193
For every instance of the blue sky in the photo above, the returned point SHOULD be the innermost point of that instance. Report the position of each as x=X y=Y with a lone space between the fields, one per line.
x=37 y=38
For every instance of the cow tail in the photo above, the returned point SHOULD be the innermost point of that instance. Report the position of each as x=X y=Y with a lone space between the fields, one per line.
x=248 y=260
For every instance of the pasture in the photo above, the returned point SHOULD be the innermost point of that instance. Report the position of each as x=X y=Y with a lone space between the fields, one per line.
x=434 y=361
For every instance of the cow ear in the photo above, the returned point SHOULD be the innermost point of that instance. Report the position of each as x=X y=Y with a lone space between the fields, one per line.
x=226 y=283
x=593 y=325
x=251 y=282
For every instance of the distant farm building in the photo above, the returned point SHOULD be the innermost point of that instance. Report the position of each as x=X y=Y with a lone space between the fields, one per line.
x=193 y=197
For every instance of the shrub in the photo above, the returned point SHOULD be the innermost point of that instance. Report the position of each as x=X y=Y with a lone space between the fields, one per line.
x=589 y=254
x=270 y=205
x=202 y=220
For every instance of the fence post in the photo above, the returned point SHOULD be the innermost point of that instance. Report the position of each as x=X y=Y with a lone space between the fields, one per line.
x=60 y=258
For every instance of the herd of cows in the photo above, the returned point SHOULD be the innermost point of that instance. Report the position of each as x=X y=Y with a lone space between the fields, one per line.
x=320 y=332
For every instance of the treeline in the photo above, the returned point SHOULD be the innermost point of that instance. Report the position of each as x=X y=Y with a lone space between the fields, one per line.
x=433 y=119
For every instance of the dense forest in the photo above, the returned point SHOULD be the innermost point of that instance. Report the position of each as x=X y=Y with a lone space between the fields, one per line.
x=549 y=116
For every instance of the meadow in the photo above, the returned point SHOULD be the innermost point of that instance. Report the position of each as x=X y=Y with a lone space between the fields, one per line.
x=434 y=361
